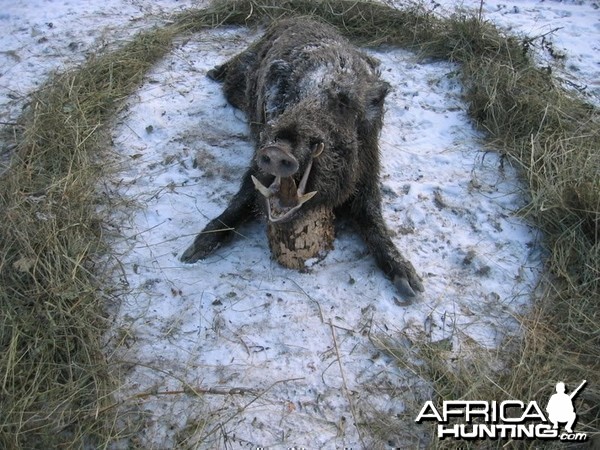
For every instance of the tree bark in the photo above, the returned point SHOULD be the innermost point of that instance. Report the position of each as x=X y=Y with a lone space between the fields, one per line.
x=309 y=236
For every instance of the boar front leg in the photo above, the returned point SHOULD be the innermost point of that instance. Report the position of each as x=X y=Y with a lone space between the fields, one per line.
x=368 y=216
x=222 y=228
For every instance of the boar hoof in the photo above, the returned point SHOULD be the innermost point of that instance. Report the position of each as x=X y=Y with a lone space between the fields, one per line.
x=217 y=73
x=203 y=246
x=407 y=288
x=404 y=287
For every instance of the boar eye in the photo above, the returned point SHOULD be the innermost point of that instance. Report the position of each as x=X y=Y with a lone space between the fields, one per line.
x=288 y=135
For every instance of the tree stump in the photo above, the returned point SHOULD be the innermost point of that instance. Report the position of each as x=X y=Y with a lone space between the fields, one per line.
x=308 y=236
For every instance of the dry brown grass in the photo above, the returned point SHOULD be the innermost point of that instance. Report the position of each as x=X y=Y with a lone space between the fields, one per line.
x=53 y=376
x=54 y=380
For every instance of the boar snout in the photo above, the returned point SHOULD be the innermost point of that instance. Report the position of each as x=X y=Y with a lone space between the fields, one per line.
x=276 y=160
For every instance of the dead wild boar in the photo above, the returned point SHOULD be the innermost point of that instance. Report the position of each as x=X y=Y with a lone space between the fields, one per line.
x=315 y=104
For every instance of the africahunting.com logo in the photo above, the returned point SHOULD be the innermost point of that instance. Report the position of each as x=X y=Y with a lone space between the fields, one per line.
x=510 y=419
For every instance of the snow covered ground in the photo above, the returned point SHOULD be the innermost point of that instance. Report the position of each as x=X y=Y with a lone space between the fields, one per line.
x=236 y=349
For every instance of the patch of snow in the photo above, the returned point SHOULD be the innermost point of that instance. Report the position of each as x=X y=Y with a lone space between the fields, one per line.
x=238 y=320
x=567 y=34
x=296 y=348
x=42 y=36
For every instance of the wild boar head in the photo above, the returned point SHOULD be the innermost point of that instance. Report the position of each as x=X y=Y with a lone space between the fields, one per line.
x=311 y=152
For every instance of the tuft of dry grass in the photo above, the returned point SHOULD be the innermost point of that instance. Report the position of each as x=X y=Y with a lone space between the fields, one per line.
x=55 y=383
x=54 y=379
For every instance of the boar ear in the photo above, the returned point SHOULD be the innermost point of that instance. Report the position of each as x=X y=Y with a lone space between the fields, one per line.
x=374 y=101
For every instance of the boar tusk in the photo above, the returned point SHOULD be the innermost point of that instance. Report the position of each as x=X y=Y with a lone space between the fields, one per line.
x=316 y=153
x=301 y=200
x=306 y=197
x=285 y=216
x=304 y=180
x=261 y=187
x=276 y=186
x=318 y=150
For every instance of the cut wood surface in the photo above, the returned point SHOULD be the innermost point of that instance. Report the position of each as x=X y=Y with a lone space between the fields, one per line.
x=309 y=236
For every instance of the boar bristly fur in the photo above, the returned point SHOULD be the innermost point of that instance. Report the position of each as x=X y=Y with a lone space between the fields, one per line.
x=315 y=105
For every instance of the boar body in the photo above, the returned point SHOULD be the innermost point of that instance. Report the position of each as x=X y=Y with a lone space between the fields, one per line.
x=315 y=104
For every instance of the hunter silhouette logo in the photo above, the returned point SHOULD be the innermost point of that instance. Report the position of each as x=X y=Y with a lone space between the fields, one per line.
x=560 y=407
x=509 y=419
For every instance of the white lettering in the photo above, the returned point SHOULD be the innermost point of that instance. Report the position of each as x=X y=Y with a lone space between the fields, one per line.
x=510 y=419
x=536 y=414
x=434 y=415
x=477 y=409
x=487 y=430
x=452 y=431
x=545 y=431
x=573 y=437
x=459 y=412
x=505 y=405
